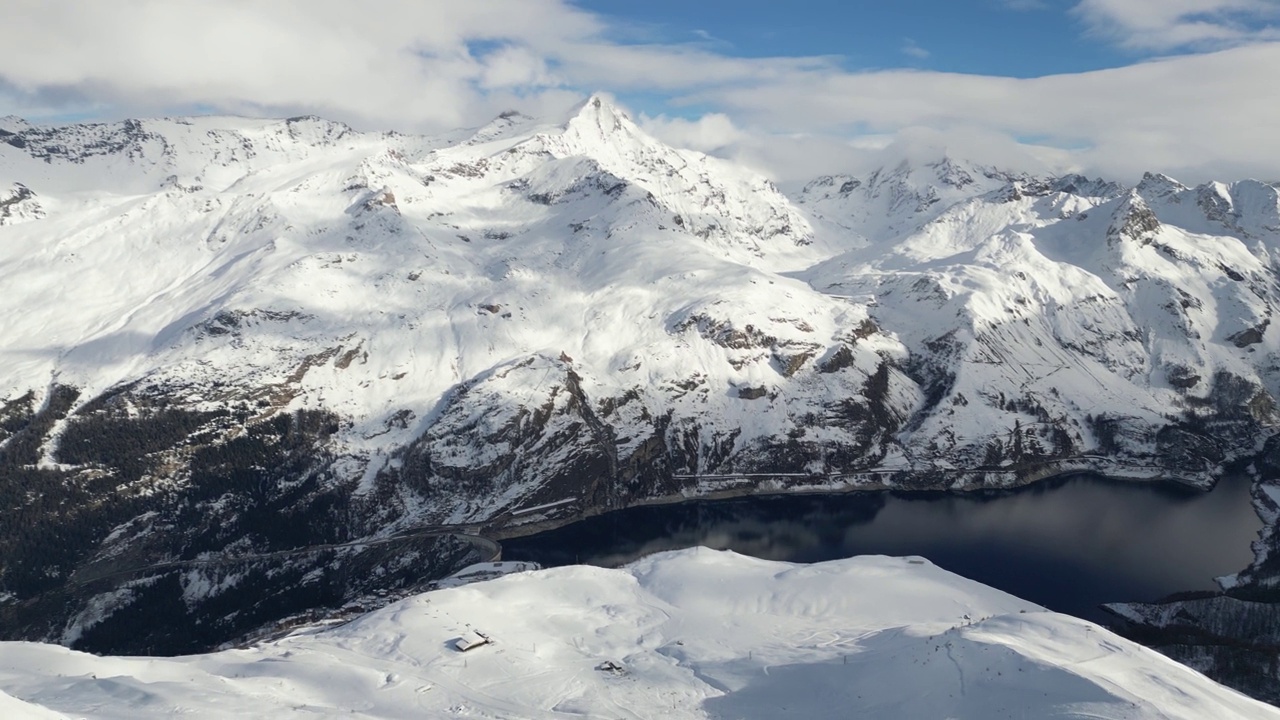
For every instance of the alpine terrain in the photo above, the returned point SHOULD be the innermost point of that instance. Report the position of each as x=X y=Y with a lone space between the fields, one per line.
x=694 y=634
x=256 y=368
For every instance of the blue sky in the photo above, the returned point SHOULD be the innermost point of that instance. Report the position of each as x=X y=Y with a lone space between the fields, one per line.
x=974 y=36
x=982 y=37
x=793 y=88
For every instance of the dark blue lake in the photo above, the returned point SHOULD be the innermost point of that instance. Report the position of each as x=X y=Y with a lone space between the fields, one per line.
x=1069 y=545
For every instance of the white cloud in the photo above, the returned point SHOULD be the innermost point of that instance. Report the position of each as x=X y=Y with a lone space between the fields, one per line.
x=1199 y=114
x=910 y=48
x=516 y=67
x=922 y=144
x=708 y=133
x=1163 y=25
x=415 y=65
x=392 y=62
x=403 y=63
x=793 y=159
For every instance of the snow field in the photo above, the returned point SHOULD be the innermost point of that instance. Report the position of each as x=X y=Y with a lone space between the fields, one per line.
x=696 y=634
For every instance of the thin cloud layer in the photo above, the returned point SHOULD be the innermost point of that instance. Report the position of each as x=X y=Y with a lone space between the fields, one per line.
x=1200 y=115
x=1164 y=25
x=393 y=62
x=402 y=63
x=429 y=66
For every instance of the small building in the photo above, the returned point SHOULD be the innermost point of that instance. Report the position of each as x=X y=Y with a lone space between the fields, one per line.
x=471 y=640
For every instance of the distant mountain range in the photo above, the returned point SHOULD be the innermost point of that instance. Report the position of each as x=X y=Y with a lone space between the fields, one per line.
x=225 y=336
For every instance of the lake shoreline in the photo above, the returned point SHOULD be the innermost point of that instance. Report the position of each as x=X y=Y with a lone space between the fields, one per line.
x=966 y=483
x=1148 y=539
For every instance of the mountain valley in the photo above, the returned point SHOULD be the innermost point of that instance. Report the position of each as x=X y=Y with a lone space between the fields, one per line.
x=254 y=368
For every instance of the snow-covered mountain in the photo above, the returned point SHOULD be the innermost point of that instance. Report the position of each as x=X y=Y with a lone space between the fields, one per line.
x=243 y=337
x=692 y=634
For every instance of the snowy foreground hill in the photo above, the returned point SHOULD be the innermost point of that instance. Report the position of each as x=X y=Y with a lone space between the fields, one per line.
x=234 y=351
x=689 y=634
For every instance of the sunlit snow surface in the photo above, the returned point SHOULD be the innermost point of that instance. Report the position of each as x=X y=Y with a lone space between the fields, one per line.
x=691 y=634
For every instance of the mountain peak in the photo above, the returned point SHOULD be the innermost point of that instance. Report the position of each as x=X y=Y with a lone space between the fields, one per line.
x=599 y=128
x=598 y=102
x=952 y=172
x=1158 y=185
x=511 y=116
x=1133 y=218
x=599 y=116
x=1084 y=186
x=13 y=124
x=504 y=124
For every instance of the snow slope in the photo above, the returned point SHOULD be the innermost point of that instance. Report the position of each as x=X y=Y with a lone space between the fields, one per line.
x=380 y=277
x=690 y=634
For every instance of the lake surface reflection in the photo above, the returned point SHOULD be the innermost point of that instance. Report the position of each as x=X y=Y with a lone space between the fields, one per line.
x=1069 y=545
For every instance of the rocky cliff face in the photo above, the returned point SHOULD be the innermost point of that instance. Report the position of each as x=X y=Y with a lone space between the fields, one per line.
x=229 y=338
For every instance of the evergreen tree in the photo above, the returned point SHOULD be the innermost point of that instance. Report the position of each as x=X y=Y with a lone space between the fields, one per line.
x=995 y=453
